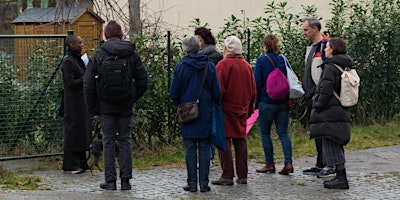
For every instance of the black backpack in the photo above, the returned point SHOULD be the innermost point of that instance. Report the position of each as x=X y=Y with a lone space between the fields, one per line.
x=114 y=78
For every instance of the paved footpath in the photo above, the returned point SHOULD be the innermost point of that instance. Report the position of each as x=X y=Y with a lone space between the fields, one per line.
x=372 y=174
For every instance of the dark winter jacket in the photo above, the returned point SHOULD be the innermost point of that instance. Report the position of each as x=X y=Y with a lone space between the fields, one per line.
x=185 y=86
x=328 y=117
x=77 y=122
x=120 y=48
x=211 y=52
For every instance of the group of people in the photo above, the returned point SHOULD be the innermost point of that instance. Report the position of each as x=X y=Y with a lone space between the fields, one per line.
x=229 y=81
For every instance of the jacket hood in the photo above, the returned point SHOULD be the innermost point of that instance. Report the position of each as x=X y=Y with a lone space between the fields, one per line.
x=195 y=61
x=118 y=47
x=343 y=60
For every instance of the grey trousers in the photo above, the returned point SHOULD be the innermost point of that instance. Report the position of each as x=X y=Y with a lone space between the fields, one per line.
x=111 y=124
x=333 y=153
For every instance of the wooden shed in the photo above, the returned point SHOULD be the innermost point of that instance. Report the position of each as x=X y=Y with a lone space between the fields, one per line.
x=82 y=20
x=37 y=21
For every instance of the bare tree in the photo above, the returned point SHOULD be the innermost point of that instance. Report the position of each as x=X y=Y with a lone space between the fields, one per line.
x=139 y=18
x=74 y=3
x=24 y=5
x=135 y=27
x=36 y=3
x=52 y=3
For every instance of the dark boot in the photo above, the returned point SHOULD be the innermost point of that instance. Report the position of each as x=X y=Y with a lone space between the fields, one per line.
x=109 y=185
x=339 y=182
x=125 y=185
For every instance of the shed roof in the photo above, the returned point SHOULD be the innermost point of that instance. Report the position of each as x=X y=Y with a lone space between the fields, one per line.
x=53 y=14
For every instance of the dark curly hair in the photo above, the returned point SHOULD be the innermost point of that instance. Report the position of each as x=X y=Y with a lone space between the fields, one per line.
x=206 y=34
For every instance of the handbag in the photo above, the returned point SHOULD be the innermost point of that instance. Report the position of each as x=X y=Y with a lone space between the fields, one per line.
x=295 y=88
x=189 y=111
x=59 y=109
x=218 y=128
x=277 y=86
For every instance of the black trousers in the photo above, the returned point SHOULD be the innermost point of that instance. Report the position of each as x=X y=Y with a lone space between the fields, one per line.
x=74 y=160
x=318 y=141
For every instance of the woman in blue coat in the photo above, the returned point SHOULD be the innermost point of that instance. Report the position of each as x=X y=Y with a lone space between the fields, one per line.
x=185 y=86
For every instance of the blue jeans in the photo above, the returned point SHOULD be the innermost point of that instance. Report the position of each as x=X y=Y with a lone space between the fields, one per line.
x=280 y=114
x=111 y=124
x=191 y=146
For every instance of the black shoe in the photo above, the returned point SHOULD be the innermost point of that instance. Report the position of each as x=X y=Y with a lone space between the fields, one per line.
x=125 y=185
x=205 y=189
x=327 y=181
x=337 y=183
x=109 y=185
x=191 y=189
x=312 y=171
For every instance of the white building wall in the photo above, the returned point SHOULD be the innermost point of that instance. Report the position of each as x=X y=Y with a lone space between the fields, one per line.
x=177 y=15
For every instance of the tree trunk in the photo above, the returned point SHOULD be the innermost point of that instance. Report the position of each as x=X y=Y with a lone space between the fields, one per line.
x=135 y=27
x=85 y=3
x=52 y=3
x=73 y=3
x=24 y=5
x=36 y=3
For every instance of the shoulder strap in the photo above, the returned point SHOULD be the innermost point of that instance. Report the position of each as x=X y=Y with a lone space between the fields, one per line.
x=273 y=64
x=340 y=68
x=337 y=66
x=202 y=83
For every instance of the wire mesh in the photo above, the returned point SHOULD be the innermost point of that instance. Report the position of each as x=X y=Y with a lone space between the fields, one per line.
x=29 y=83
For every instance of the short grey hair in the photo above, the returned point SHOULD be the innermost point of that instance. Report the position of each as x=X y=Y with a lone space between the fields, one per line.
x=191 y=44
x=313 y=22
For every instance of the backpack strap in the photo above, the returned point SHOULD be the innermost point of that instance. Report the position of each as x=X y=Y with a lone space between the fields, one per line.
x=202 y=83
x=341 y=70
x=269 y=58
x=337 y=66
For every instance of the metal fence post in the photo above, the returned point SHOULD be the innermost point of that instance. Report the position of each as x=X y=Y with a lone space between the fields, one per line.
x=169 y=82
x=388 y=78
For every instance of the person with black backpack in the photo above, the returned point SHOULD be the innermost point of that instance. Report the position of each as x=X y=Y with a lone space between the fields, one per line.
x=114 y=80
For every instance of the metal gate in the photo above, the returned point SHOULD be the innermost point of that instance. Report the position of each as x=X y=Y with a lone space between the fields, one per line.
x=29 y=83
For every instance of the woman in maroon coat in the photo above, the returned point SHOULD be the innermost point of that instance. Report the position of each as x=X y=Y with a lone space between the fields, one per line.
x=77 y=122
x=238 y=90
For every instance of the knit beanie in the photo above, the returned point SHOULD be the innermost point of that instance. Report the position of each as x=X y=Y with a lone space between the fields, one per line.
x=113 y=30
x=233 y=45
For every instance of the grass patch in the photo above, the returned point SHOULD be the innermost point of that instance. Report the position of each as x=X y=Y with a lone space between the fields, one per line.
x=169 y=156
x=9 y=180
x=362 y=137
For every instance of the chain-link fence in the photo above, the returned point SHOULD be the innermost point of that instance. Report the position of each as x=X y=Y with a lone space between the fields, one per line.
x=29 y=83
